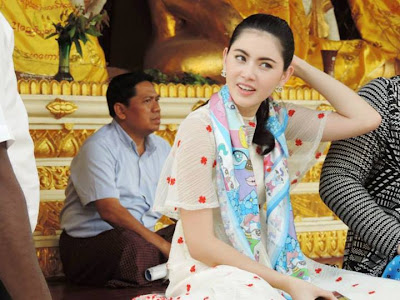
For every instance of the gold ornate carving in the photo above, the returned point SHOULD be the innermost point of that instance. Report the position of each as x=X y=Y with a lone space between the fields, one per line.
x=49 y=217
x=53 y=178
x=60 y=108
x=52 y=87
x=325 y=107
x=168 y=133
x=323 y=244
x=309 y=205
x=313 y=174
x=186 y=91
x=198 y=104
x=49 y=261
x=164 y=221
x=59 y=143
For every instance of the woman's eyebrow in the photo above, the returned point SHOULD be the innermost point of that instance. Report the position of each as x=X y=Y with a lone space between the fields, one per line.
x=261 y=58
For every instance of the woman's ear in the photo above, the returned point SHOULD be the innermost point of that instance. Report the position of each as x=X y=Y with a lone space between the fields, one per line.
x=224 y=55
x=286 y=75
x=119 y=109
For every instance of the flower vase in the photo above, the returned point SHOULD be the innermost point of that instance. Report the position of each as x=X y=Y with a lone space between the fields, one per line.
x=64 y=48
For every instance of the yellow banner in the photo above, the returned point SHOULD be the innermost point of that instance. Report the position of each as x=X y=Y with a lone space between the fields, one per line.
x=32 y=22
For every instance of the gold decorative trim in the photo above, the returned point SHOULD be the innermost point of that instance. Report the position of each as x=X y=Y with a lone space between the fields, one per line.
x=168 y=133
x=53 y=178
x=53 y=87
x=171 y=90
x=323 y=244
x=49 y=217
x=198 y=104
x=309 y=206
x=50 y=261
x=59 y=143
x=313 y=174
x=60 y=108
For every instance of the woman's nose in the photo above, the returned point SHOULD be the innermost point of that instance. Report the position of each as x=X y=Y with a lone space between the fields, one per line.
x=248 y=71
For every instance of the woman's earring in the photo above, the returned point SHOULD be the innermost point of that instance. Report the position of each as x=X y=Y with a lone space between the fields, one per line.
x=223 y=73
x=278 y=89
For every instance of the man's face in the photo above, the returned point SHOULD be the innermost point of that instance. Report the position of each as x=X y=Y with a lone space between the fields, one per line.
x=142 y=115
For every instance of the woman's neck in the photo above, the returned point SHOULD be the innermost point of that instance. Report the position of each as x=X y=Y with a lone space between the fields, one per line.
x=248 y=112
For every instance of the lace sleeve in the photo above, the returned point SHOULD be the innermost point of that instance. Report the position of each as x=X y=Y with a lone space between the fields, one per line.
x=187 y=180
x=303 y=135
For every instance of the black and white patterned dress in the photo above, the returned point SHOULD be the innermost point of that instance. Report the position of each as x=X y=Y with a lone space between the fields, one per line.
x=360 y=182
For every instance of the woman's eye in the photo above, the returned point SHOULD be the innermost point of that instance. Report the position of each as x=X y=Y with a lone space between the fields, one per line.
x=266 y=65
x=240 y=57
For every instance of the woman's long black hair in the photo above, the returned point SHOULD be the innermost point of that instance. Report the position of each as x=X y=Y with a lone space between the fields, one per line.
x=281 y=30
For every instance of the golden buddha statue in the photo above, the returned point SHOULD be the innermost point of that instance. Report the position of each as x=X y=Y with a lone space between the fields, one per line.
x=33 y=55
x=190 y=35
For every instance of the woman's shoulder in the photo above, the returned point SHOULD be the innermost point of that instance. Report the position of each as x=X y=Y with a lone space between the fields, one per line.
x=199 y=117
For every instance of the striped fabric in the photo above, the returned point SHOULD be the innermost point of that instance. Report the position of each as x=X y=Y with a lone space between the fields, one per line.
x=360 y=182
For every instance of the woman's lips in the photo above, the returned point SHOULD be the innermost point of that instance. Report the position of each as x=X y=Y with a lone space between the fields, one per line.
x=246 y=89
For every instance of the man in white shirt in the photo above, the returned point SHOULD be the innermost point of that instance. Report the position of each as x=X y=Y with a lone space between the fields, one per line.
x=20 y=274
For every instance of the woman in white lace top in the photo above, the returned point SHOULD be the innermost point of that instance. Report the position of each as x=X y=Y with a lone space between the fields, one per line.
x=230 y=158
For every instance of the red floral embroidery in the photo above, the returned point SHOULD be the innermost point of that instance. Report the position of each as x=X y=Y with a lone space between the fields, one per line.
x=252 y=124
x=318 y=155
x=294 y=181
x=193 y=269
x=256 y=277
x=299 y=142
x=202 y=199
x=206 y=298
x=209 y=128
x=338 y=279
x=188 y=287
x=169 y=179
x=203 y=160
x=214 y=163
x=249 y=285
x=291 y=112
x=354 y=285
x=321 y=115
x=179 y=143
x=318 y=270
x=172 y=182
x=180 y=240
x=371 y=292
x=175 y=208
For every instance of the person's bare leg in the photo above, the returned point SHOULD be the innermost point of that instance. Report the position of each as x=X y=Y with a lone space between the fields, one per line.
x=19 y=267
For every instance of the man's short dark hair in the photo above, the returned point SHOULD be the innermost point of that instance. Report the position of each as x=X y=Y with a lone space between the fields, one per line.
x=122 y=87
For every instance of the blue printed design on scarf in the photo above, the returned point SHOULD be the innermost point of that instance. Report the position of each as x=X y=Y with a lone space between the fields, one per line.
x=237 y=191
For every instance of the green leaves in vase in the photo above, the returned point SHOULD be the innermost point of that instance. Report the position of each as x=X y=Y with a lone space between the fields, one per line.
x=76 y=26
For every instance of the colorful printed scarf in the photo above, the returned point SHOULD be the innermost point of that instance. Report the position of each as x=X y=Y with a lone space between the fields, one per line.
x=237 y=189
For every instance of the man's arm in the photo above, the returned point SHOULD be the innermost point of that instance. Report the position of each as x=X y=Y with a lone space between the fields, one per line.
x=114 y=213
x=19 y=267
x=343 y=176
